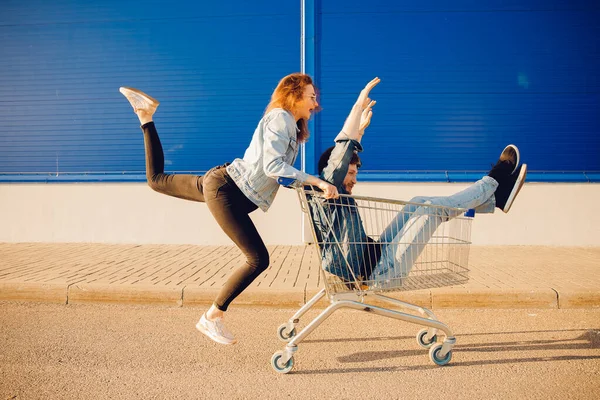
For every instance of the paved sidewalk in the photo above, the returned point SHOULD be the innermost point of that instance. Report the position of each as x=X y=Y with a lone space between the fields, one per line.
x=186 y=275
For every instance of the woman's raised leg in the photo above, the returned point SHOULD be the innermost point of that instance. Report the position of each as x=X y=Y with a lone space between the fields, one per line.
x=183 y=186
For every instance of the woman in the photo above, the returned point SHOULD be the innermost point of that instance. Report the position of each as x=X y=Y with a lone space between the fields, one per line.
x=233 y=191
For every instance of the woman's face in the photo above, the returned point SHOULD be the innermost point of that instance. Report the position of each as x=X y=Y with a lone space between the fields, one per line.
x=307 y=104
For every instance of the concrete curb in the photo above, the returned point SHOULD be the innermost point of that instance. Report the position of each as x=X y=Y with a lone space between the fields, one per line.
x=194 y=295
x=252 y=297
x=421 y=298
x=494 y=298
x=43 y=292
x=107 y=293
x=517 y=298
x=578 y=298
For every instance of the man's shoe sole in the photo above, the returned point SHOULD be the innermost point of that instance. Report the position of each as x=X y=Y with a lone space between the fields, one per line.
x=516 y=189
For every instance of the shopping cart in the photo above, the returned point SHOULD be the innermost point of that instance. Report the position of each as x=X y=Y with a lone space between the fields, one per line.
x=368 y=246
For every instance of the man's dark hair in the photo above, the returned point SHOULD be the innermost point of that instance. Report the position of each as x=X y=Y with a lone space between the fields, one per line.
x=327 y=153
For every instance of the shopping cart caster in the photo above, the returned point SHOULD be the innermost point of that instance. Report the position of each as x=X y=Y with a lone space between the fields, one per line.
x=279 y=366
x=434 y=355
x=284 y=333
x=422 y=338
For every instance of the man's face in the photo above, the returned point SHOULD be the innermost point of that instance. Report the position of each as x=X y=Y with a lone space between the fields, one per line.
x=350 y=179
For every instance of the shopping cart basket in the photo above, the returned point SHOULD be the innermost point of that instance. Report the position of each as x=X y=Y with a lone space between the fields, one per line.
x=368 y=246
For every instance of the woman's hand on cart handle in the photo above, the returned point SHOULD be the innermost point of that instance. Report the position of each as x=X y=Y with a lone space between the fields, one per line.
x=329 y=190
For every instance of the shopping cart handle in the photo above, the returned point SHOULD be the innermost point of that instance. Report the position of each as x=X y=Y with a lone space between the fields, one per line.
x=470 y=213
x=287 y=182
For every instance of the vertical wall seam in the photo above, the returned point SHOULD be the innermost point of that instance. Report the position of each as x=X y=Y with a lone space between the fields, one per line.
x=308 y=66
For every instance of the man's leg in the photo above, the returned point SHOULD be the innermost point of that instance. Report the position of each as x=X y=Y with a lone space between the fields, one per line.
x=498 y=189
x=396 y=225
x=479 y=196
x=405 y=238
x=486 y=208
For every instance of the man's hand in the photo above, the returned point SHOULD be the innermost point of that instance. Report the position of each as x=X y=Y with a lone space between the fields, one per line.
x=363 y=98
x=365 y=118
x=352 y=126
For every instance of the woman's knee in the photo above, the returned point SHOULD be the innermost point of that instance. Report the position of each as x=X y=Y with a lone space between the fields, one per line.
x=151 y=180
x=155 y=182
x=259 y=260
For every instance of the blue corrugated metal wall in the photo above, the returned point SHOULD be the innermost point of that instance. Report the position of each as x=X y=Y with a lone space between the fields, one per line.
x=213 y=65
x=460 y=79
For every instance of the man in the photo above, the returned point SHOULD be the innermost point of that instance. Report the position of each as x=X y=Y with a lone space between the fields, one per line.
x=348 y=252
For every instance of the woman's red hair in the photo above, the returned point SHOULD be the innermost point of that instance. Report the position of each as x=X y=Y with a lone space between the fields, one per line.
x=287 y=94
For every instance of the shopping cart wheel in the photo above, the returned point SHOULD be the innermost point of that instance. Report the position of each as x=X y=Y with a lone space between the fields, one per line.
x=434 y=355
x=279 y=366
x=284 y=334
x=422 y=341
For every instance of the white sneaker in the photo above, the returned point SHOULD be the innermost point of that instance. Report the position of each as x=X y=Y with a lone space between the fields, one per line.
x=215 y=330
x=139 y=100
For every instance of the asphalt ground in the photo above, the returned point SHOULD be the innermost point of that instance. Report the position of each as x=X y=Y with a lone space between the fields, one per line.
x=113 y=351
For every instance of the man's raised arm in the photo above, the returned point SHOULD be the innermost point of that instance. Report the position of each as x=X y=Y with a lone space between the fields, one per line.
x=346 y=144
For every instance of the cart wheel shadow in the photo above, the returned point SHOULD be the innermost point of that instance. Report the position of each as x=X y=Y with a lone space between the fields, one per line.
x=588 y=339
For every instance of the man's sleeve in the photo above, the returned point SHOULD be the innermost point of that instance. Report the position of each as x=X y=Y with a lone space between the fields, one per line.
x=339 y=160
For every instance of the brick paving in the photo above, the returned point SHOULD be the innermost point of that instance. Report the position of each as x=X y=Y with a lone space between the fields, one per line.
x=494 y=270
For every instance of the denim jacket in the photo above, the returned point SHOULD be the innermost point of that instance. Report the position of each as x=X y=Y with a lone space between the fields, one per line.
x=270 y=155
x=344 y=242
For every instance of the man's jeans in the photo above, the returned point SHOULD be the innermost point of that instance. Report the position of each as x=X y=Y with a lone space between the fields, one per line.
x=405 y=237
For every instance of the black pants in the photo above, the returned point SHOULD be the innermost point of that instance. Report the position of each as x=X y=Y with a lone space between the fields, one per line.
x=226 y=202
